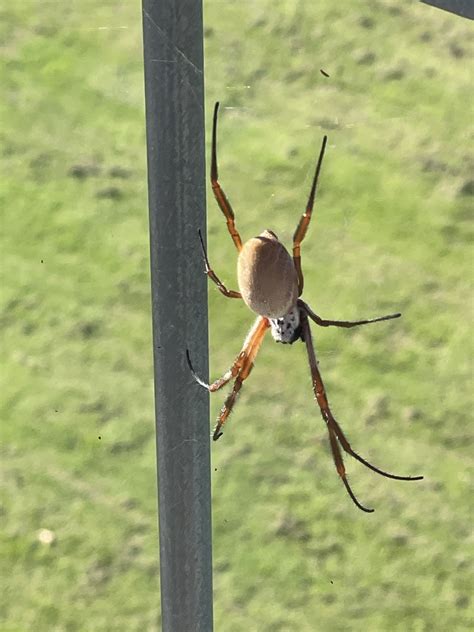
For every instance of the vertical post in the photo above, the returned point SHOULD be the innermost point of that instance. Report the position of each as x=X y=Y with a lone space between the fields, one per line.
x=464 y=8
x=174 y=91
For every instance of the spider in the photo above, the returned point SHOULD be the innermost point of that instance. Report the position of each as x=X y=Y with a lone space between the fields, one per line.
x=270 y=284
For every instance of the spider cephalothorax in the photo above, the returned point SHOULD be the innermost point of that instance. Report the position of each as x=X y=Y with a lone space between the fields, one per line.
x=270 y=283
x=287 y=329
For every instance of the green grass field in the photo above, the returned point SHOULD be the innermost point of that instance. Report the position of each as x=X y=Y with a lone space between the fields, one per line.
x=391 y=232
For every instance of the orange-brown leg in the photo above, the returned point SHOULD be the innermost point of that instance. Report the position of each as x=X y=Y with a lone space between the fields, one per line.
x=302 y=227
x=222 y=381
x=213 y=276
x=255 y=342
x=335 y=431
x=253 y=337
x=219 y=194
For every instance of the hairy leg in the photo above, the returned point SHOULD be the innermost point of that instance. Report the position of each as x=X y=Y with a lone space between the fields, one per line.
x=219 y=194
x=303 y=224
x=213 y=276
x=335 y=431
x=347 y=324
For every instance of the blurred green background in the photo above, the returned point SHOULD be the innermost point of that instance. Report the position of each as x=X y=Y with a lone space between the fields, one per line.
x=391 y=232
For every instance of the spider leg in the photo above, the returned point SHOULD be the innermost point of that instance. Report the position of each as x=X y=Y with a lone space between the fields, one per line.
x=320 y=395
x=303 y=224
x=238 y=363
x=347 y=448
x=335 y=432
x=222 y=381
x=213 y=276
x=341 y=470
x=219 y=194
x=342 y=323
x=256 y=339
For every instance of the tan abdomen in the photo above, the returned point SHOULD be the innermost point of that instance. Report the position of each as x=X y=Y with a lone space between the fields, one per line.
x=267 y=277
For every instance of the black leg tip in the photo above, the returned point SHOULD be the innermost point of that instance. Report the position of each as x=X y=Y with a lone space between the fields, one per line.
x=217 y=434
x=188 y=358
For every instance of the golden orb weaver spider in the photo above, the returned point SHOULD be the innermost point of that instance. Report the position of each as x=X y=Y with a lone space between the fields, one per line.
x=271 y=283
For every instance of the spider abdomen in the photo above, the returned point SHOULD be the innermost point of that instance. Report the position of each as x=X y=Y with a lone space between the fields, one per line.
x=267 y=276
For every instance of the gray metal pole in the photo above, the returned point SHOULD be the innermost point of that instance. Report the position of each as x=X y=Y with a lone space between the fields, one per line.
x=174 y=90
x=464 y=8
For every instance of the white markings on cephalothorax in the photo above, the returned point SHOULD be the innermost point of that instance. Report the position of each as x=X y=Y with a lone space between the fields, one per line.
x=286 y=328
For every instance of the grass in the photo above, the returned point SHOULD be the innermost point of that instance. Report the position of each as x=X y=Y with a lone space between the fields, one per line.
x=391 y=231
